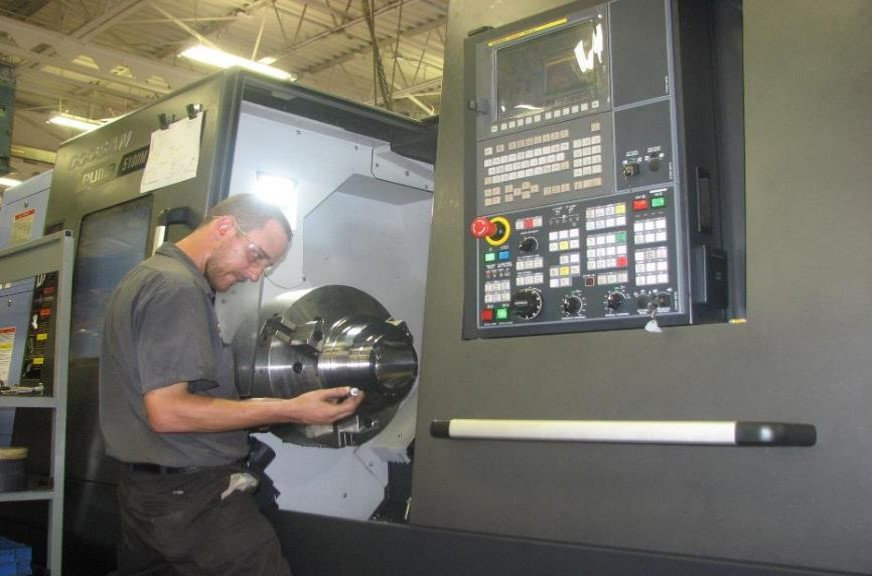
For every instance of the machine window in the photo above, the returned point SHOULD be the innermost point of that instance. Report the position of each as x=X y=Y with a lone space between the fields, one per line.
x=111 y=242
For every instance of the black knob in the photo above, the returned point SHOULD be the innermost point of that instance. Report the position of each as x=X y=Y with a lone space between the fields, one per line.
x=572 y=305
x=663 y=299
x=614 y=300
x=527 y=303
x=528 y=244
x=642 y=301
x=631 y=169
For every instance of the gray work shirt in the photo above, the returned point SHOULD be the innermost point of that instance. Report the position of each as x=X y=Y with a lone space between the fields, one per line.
x=160 y=329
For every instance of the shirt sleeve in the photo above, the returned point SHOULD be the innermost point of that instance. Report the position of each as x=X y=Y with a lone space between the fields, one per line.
x=174 y=343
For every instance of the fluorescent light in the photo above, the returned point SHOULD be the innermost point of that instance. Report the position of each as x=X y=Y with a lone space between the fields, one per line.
x=280 y=191
x=221 y=59
x=9 y=182
x=76 y=122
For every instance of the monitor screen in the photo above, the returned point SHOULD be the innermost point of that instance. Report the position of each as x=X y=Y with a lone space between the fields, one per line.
x=556 y=69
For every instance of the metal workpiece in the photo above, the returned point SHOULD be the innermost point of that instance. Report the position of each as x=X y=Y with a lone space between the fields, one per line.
x=327 y=337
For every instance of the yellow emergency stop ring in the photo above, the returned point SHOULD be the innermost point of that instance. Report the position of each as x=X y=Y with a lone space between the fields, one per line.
x=500 y=240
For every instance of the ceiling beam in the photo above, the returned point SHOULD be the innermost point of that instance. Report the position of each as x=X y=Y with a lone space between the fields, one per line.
x=34 y=154
x=202 y=39
x=412 y=90
x=346 y=56
x=348 y=24
x=25 y=38
x=25 y=8
x=38 y=84
x=117 y=12
x=213 y=25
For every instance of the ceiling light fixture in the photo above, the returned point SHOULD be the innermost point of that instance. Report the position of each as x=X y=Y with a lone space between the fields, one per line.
x=221 y=59
x=77 y=122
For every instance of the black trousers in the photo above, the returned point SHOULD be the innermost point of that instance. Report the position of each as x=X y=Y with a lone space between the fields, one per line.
x=178 y=525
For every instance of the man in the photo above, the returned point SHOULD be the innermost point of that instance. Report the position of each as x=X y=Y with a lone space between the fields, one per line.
x=169 y=409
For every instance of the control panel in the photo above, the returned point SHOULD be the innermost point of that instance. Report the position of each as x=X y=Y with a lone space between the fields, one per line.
x=583 y=212
x=581 y=260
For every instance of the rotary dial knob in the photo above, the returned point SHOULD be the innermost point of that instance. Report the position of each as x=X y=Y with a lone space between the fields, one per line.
x=572 y=305
x=528 y=244
x=527 y=303
x=614 y=300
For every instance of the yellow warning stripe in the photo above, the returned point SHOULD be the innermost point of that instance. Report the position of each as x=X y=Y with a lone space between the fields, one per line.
x=527 y=32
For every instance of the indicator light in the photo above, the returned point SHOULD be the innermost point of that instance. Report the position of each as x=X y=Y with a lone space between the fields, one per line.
x=487 y=315
x=490 y=257
x=502 y=313
x=640 y=204
x=658 y=202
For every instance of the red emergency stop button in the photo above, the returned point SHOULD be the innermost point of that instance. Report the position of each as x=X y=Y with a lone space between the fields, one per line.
x=482 y=227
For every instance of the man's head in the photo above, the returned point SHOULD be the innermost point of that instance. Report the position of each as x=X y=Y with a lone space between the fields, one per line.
x=248 y=237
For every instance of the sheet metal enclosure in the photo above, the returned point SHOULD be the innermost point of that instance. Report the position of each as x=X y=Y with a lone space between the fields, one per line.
x=802 y=355
x=356 y=168
x=22 y=218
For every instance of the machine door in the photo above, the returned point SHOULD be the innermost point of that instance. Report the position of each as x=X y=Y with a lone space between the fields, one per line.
x=111 y=242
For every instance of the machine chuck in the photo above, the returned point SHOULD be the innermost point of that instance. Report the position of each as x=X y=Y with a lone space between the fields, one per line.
x=324 y=338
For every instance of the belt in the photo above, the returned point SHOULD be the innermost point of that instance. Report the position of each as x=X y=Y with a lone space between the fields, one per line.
x=148 y=468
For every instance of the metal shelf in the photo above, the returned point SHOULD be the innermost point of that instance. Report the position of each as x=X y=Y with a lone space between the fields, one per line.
x=28 y=402
x=28 y=496
x=53 y=253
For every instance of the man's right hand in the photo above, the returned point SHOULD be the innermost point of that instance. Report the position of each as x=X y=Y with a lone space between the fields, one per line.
x=324 y=406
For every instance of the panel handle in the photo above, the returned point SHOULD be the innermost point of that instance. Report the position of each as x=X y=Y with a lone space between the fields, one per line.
x=689 y=432
x=166 y=218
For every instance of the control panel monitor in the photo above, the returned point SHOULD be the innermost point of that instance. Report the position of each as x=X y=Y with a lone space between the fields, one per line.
x=579 y=202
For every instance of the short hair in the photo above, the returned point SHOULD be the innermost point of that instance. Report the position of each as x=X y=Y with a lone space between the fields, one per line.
x=250 y=212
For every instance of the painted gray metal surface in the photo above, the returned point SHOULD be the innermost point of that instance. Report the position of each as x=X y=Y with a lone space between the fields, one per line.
x=802 y=356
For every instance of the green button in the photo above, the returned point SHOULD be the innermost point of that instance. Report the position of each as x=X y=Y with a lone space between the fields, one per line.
x=658 y=202
x=621 y=237
x=502 y=313
x=490 y=257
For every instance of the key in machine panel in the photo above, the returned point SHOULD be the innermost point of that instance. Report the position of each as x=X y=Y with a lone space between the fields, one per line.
x=577 y=203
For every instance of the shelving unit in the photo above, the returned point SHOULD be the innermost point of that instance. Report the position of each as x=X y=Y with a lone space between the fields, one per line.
x=53 y=253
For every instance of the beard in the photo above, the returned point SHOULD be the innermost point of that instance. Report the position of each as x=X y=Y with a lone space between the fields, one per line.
x=219 y=275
